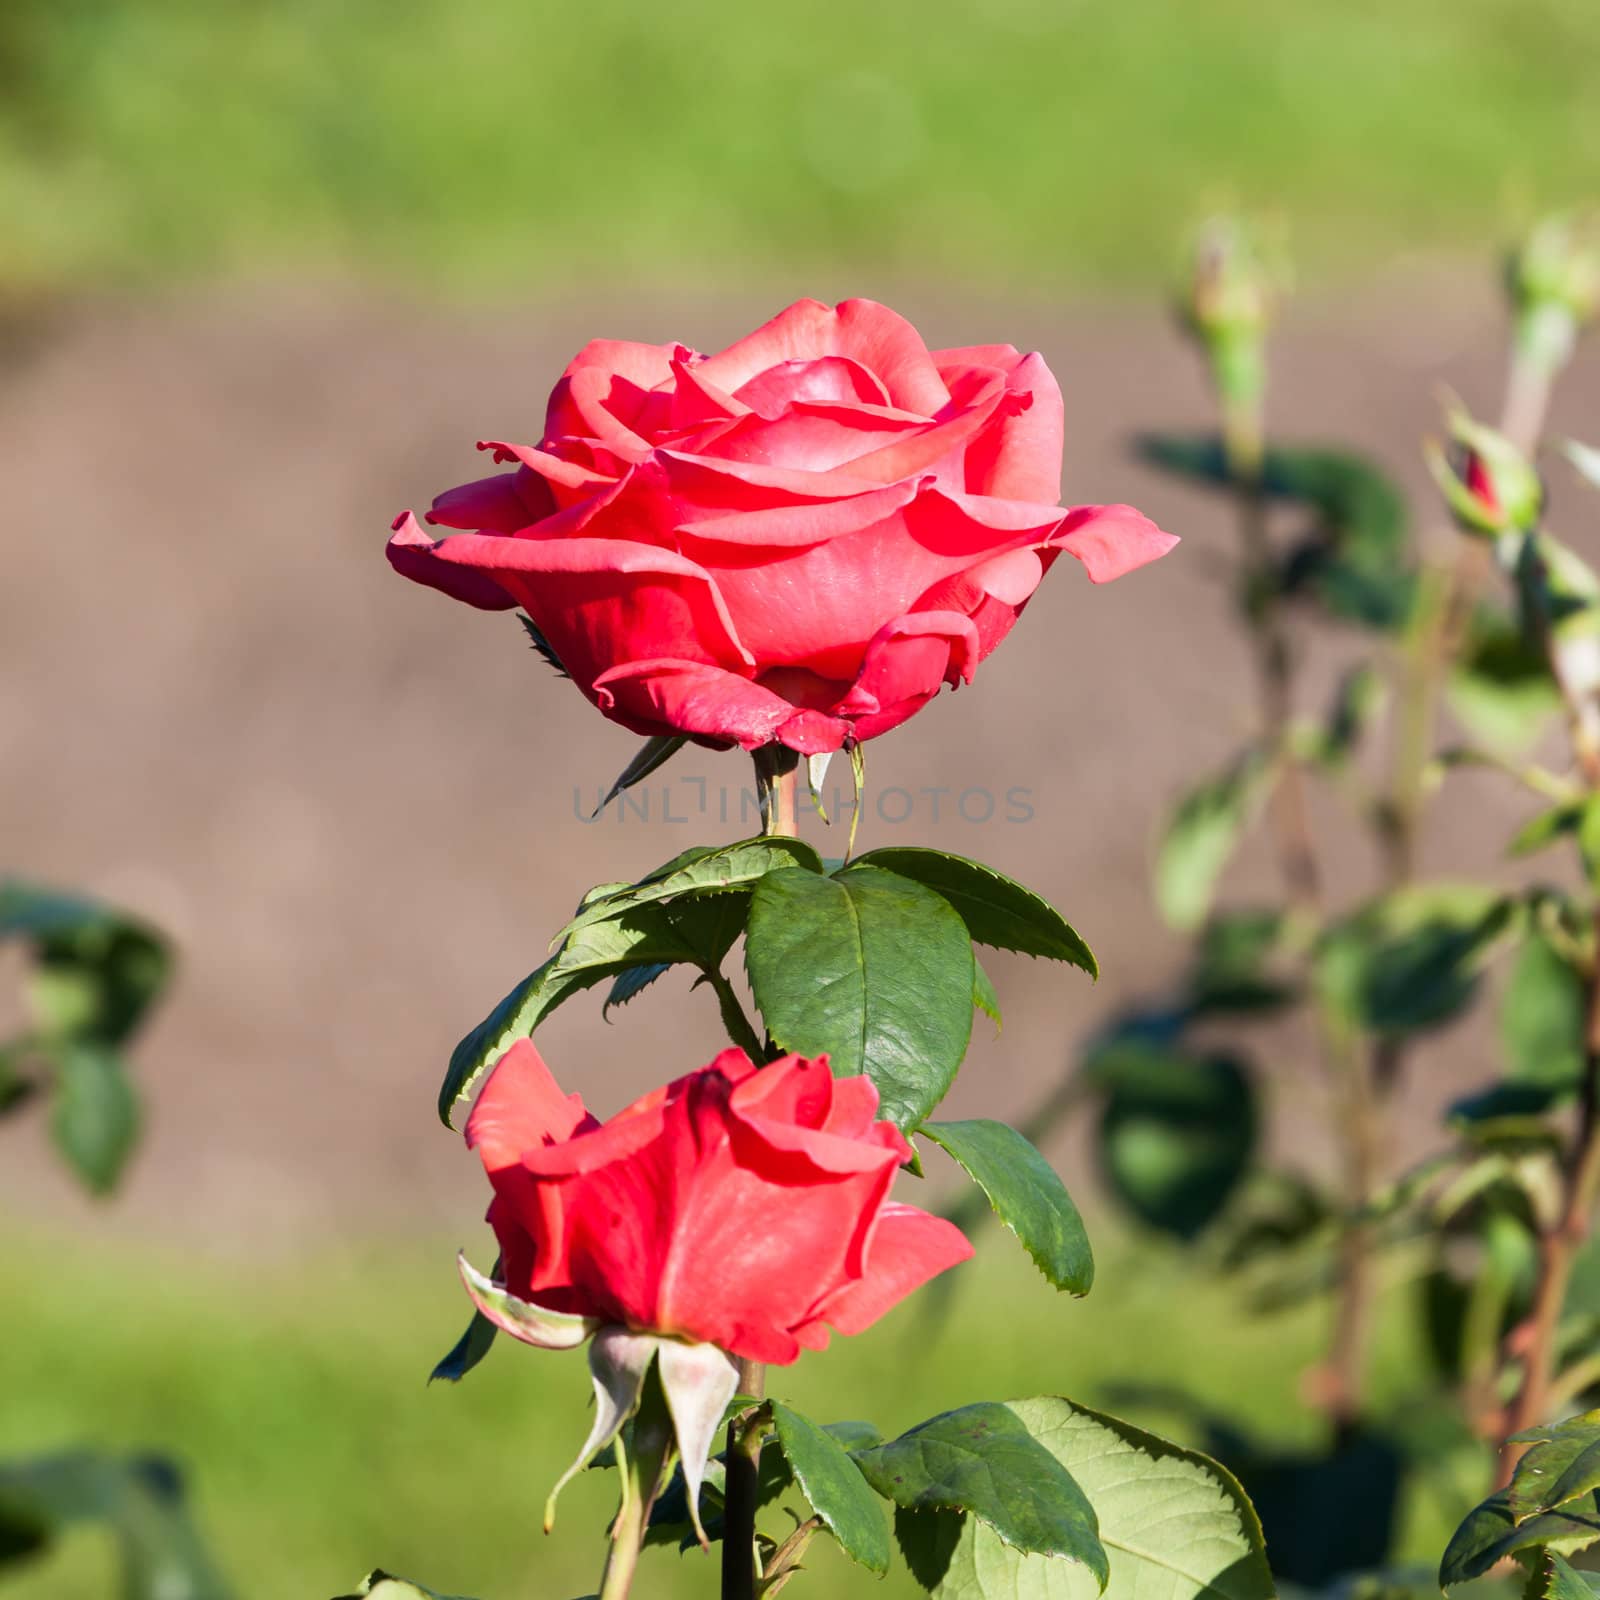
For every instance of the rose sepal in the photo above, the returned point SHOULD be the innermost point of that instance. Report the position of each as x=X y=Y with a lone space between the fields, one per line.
x=698 y=1380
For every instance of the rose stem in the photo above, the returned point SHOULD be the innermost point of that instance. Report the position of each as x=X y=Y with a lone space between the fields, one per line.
x=1446 y=595
x=645 y=1467
x=1561 y=1237
x=1244 y=434
x=777 y=769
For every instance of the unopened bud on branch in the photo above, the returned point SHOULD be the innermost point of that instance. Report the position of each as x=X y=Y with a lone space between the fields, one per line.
x=1553 y=280
x=1490 y=486
x=1236 y=279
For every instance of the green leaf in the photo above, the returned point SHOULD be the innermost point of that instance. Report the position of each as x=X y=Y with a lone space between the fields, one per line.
x=1490 y=1533
x=854 y=1434
x=654 y=753
x=984 y=997
x=871 y=969
x=96 y=1115
x=984 y=1459
x=1501 y=688
x=1554 y=823
x=1176 y=1134
x=700 y=872
x=698 y=927
x=97 y=972
x=644 y=936
x=140 y=1500
x=997 y=911
x=381 y=1585
x=1584 y=1427
x=670 y=1522
x=1579 y=1478
x=1412 y=960
x=1202 y=835
x=633 y=982
x=1357 y=703
x=469 y=1349
x=1174 y=1525
x=1558 y=1579
x=1232 y=970
x=1542 y=1017
x=835 y=1488
x=1026 y=1195
x=1354 y=560
x=1542 y=1468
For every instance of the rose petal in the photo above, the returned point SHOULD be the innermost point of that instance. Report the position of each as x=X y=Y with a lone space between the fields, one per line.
x=1111 y=541
x=831 y=378
x=914 y=657
x=940 y=448
x=963 y=358
x=889 y=347
x=807 y=523
x=502 y=503
x=414 y=555
x=779 y=1127
x=862 y=330
x=907 y=1248
x=522 y=1108
x=590 y=404
x=810 y=438
x=557 y=471
x=692 y=697
x=604 y=600
x=643 y=364
x=801 y=332
x=705 y=481
x=696 y=401
x=1019 y=456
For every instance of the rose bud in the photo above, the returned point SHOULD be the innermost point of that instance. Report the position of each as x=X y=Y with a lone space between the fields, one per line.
x=800 y=539
x=1231 y=295
x=1489 y=485
x=734 y=1213
x=1556 y=272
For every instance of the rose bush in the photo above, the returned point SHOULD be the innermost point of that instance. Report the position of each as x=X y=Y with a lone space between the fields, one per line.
x=800 y=539
x=742 y=1209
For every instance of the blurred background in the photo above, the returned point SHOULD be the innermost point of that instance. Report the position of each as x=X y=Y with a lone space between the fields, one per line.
x=268 y=269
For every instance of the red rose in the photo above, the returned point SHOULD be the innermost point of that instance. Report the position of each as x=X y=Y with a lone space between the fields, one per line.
x=800 y=539
x=739 y=1208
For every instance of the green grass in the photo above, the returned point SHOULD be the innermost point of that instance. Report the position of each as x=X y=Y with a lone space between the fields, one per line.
x=507 y=145
x=294 y=1394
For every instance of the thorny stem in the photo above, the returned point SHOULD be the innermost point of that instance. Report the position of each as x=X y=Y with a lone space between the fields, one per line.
x=786 y=1558
x=1345 y=1056
x=742 y=1493
x=777 y=771
x=1445 y=600
x=1359 y=1106
x=1560 y=1240
x=1559 y=1244
x=1242 y=444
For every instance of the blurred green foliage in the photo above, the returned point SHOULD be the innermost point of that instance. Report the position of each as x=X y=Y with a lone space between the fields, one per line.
x=503 y=144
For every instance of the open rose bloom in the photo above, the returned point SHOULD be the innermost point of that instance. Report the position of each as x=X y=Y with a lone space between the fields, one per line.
x=733 y=1213
x=801 y=539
